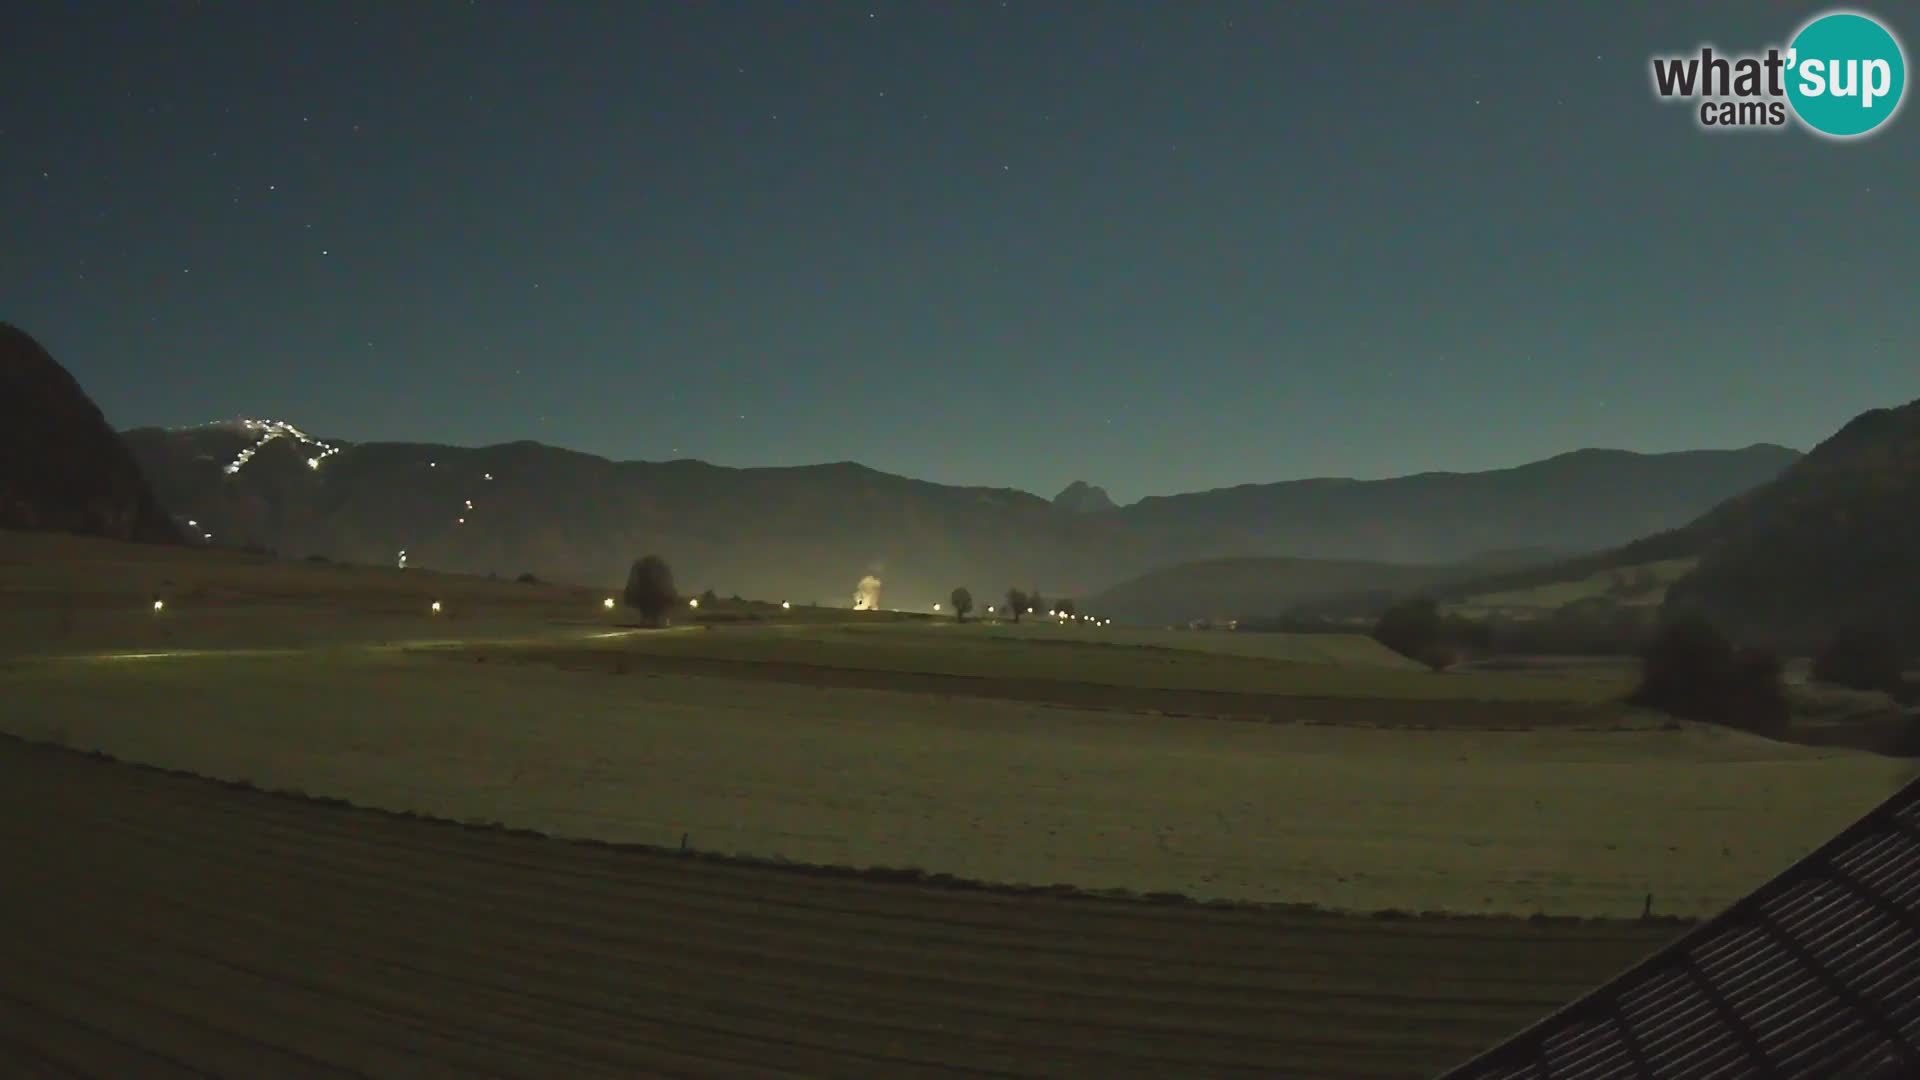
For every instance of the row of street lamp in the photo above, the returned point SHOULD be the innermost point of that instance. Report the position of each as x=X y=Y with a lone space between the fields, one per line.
x=435 y=608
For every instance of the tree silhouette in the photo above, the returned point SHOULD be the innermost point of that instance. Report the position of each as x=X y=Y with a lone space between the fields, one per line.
x=1691 y=670
x=962 y=603
x=650 y=588
x=1017 y=603
x=1414 y=629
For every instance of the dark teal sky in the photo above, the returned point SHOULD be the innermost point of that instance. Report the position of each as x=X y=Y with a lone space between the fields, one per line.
x=1156 y=246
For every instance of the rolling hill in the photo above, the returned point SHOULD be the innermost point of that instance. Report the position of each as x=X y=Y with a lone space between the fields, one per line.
x=808 y=533
x=62 y=469
x=1830 y=542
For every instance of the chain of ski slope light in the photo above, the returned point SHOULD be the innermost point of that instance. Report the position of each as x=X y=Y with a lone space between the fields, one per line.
x=467 y=505
x=279 y=429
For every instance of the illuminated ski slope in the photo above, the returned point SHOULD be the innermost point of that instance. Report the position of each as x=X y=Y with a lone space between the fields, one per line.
x=269 y=430
x=265 y=431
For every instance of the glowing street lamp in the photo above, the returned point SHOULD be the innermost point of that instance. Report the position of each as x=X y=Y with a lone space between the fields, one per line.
x=607 y=603
x=989 y=609
x=435 y=607
x=159 y=604
x=693 y=602
x=785 y=605
x=936 y=607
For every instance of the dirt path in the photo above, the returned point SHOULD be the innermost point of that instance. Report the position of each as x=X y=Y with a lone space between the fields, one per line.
x=161 y=925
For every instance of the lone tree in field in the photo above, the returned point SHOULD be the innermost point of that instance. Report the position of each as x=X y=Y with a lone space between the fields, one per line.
x=1017 y=603
x=1692 y=671
x=1685 y=669
x=962 y=603
x=650 y=589
x=1415 y=630
x=709 y=597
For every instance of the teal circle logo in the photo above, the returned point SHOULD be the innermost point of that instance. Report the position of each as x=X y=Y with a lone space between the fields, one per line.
x=1846 y=74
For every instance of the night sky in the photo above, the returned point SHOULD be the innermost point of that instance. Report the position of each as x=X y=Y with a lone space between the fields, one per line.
x=1158 y=246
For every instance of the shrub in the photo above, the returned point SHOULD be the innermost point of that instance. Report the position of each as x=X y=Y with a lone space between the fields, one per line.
x=650 y=588
x=1755 y=699
x=1685 y=670
x=1690 y=670
x=1414 y=629
x=527 y=578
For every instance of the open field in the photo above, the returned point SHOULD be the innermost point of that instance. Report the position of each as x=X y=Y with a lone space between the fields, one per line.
x=158 y=927
x=164 y=926
x=1158 y=683
x=1566 y=822
x=1298 y=665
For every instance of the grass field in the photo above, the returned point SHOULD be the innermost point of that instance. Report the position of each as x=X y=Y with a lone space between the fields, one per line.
x=1565 y=822
x=162 y=926
x=1301 y=665
x=154 y=932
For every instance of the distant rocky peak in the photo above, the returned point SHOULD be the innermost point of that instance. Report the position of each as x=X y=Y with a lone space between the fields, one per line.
x=1081 y=497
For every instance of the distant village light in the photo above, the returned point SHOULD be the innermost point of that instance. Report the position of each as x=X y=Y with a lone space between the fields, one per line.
x=784 y=605
x=607 y=603
x=436 y=607
x=693 y=602
x=159 y=604
x=936 y=607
